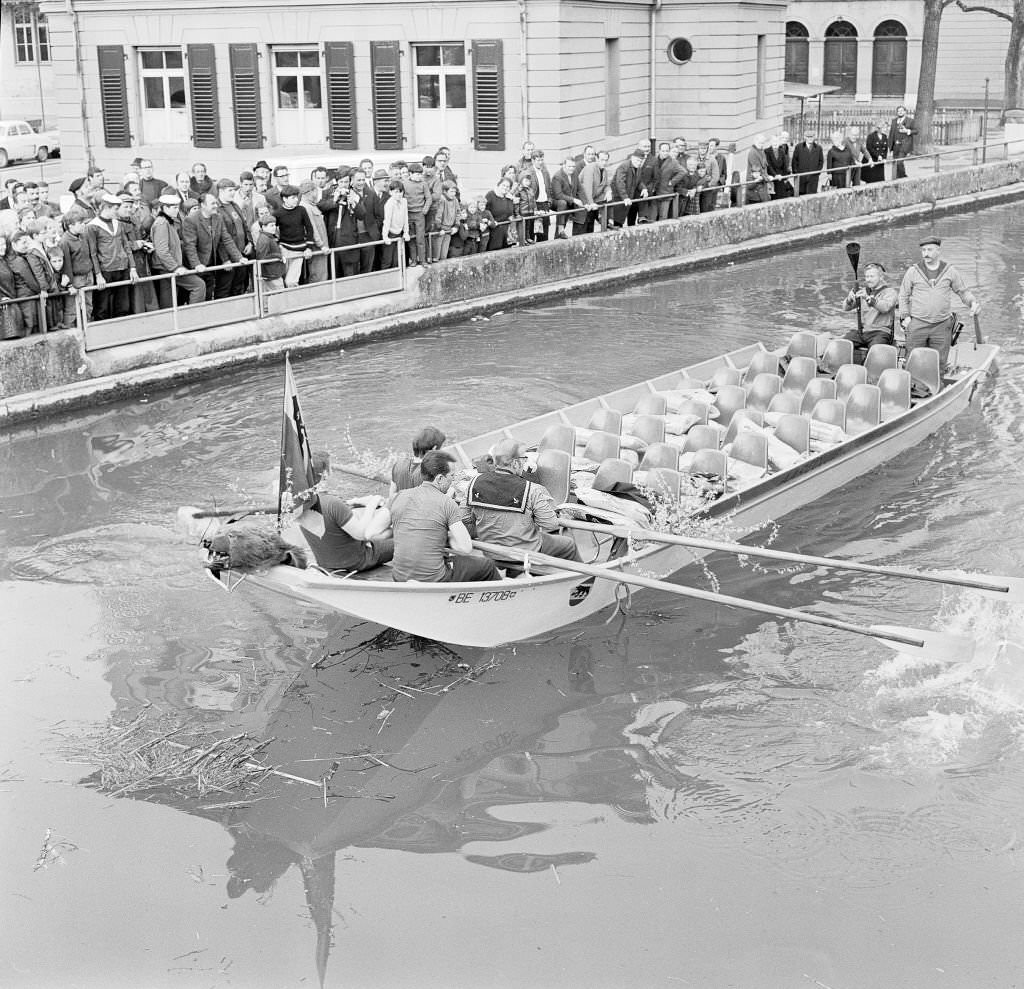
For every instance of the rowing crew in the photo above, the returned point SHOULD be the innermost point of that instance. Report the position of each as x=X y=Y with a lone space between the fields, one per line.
x=425 y=530
x=923 y=304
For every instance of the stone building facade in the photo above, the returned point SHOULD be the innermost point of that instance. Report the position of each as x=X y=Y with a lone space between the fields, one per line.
x=26 y=64
x=230 y=82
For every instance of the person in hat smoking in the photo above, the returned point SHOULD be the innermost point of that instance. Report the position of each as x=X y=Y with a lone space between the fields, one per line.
x=926 y=300
x=512 y=511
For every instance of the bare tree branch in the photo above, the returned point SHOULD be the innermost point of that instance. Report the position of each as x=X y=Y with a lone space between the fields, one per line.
x=985 y=10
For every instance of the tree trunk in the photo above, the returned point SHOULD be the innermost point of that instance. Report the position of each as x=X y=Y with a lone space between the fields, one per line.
x=1013 y=97
x=925 y=108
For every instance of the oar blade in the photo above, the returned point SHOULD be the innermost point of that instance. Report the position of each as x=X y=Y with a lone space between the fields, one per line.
x=939 y=647
x=1007 y=589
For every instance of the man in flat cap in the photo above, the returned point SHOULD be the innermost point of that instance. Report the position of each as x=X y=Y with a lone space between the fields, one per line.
x=512 y=511
x=926 y=300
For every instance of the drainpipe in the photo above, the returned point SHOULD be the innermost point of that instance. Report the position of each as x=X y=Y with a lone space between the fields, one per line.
x=652 y=87
x=69 y=7
x=524 y=84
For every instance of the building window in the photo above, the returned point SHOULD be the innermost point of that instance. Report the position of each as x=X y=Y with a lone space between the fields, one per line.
x=298 y=96
x=797 y=52
x=760 y=82
x=440 y=78
x=31 y=35
x=165 y=116
x=611 y=87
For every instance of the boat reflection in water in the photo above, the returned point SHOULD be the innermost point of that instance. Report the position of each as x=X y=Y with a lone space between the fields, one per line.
x=419 y=744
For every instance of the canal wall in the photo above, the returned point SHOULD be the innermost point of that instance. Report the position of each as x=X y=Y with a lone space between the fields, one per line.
x=42 y=376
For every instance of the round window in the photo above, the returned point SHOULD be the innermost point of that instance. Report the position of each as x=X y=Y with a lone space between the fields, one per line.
x=680 y=51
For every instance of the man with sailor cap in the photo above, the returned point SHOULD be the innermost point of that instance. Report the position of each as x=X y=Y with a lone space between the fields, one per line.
x=112 y=260
x=926 y=300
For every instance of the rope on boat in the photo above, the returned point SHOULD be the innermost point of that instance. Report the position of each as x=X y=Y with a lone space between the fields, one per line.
x=623 y=602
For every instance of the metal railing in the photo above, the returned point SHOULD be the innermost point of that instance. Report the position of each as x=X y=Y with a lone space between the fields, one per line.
x=949 y=125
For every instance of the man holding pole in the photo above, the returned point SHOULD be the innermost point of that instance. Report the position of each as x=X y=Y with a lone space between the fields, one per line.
x=926 y=300
x=876 y=311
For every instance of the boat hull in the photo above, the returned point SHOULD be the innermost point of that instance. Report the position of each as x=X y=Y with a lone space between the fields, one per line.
x=494 y=613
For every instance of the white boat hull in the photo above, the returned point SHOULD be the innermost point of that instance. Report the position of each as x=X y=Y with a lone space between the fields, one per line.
x=494 y=613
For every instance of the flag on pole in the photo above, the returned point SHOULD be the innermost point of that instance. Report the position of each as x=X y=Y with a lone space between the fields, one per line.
x=296 y=455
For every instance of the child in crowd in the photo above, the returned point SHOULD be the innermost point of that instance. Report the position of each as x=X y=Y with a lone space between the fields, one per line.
x=432 y=185
x=418 y=203
x=268 y=250
x=396 y=224
x=446 y=220
x=527 y=210
x=480 y=222
x=460 y=239
x=76 y=271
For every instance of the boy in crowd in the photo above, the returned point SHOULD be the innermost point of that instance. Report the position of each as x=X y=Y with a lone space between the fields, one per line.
x=77 y=270
x=446 y=220
x=395 y=232
x=418 y=202
x=268 y=250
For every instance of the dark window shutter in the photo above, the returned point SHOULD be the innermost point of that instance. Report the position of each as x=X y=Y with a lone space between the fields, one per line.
x=202 y=84
x=385 y=66
x=245 y=95
x=341 y=95
x=114 y=96
x=488 y=96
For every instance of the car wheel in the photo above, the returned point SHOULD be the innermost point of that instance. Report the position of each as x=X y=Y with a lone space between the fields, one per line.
x=43 y=154
x=4 y=160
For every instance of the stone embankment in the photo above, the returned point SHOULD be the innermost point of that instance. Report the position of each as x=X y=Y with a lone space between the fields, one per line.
x=42 y=376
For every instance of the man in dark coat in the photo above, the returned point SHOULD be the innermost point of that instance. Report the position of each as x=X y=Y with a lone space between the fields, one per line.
x=901 y=141
x=232 y=281
x=876 y=146
x=204 y=238
x=808 y=161
x=626 y=189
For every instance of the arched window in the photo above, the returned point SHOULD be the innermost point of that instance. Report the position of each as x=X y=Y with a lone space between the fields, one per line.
x=889 y=60
x=841 y=57
x=797 y=50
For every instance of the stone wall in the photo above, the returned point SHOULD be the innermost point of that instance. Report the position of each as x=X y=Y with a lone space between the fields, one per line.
x=45 y=374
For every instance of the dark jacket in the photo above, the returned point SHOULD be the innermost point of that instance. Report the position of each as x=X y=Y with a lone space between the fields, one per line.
x=373 y=213
x=626 y=181
x=902 y=144
x=204 y=240
x=808 y=159
x=237 y=229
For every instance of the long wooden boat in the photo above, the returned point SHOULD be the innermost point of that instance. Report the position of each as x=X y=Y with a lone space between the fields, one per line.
x=494 y=613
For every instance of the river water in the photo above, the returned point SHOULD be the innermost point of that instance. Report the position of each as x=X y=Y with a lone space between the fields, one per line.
x=687 y=796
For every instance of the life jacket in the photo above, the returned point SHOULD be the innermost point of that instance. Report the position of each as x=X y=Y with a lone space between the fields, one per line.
x=501 y=491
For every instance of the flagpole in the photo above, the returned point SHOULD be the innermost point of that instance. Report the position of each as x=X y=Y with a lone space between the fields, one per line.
x=281 y=479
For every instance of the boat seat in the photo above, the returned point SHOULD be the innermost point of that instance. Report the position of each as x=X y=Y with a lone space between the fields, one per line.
x=894 y=384
x=665 y=483
x=801 y=371
x=664 y=454
x=837 y=353
x=763 y=362
x=803 y=343
x=750 y=448
x=694 y=407
x=815 y=391
x=794 y=431
x=606 y=420
x=602 y=446
x=725 y=376
x=704 y=437
x=880 y=357
x=648 y=428
x=558 y=437
x=848 y=376
x=553 y=469
x=924 y=368
x=651 y=405
x=611 y=471
x=863 y=409
x=752 y=415
x=710 y=463
x=830 y=410
x=729 y=399
x=764 y=387
x=785 y=401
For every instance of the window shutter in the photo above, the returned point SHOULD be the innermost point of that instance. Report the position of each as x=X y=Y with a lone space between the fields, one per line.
x=385 y=66
x=113 y=96
x=488 y=96
x=341 y=95
x=245 y=95
x=202 y=84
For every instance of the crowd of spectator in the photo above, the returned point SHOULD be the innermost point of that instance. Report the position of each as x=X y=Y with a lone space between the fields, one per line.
x=104 y=239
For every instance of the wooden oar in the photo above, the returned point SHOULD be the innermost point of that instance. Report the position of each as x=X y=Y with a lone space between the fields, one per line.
x=1009 y=589
x=853 y=253
x=937 y=646
x=977 y=331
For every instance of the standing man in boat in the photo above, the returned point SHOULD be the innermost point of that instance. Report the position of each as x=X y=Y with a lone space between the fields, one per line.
x=426 y=522
x=878 y=301
x=512 y=511
x=926 y=300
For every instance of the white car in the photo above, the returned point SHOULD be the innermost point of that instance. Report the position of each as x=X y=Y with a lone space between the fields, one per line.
x=19 y=142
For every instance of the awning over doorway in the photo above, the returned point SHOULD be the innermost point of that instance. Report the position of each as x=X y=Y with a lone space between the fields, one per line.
x=804 y=91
